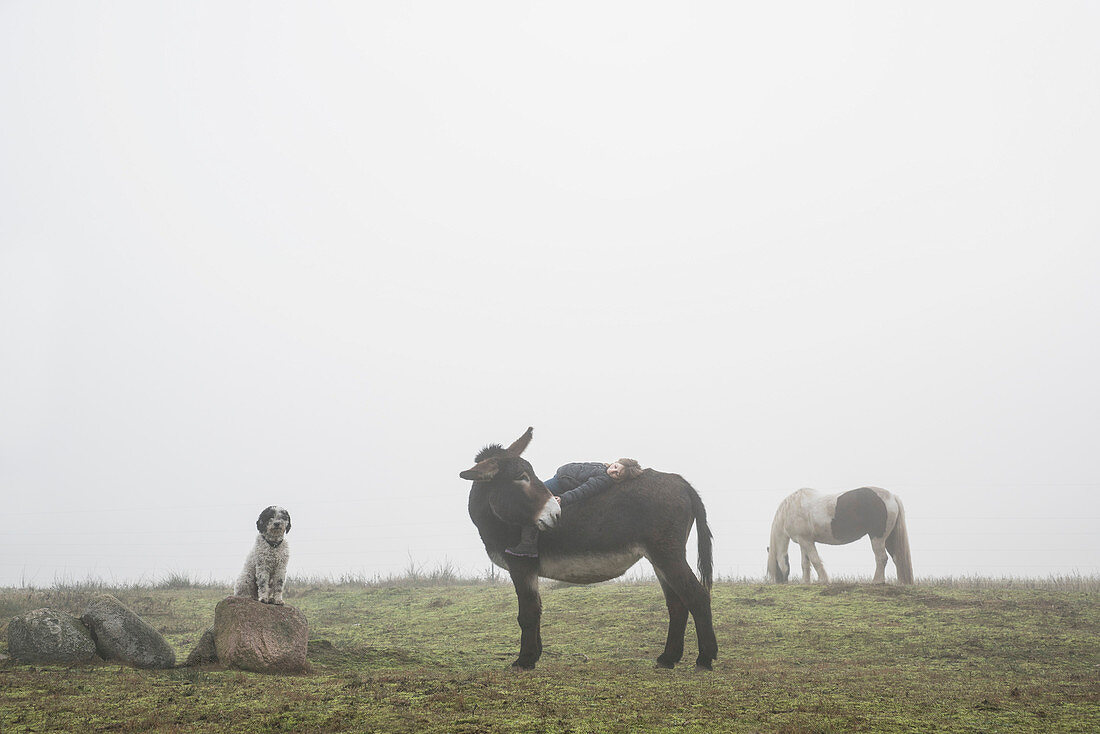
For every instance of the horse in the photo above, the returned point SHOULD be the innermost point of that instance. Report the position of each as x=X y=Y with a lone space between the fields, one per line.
x=807 y=517
x=593 y=540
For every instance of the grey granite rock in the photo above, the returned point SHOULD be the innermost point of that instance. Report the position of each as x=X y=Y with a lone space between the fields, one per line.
x=49 y=636
x=124 y=636
x=204 y=653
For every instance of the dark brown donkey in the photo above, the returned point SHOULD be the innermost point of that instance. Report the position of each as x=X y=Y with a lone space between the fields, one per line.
x=594 y=540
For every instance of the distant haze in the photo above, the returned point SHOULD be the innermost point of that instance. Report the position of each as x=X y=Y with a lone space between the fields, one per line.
x=317 y=255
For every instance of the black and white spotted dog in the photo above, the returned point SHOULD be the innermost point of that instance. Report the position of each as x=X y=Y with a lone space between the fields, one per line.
x=265 y=568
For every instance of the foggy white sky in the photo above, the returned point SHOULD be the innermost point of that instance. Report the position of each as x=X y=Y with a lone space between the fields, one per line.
x=317 y=255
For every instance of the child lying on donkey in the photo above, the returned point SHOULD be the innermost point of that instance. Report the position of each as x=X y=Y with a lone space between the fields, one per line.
x=573 y=482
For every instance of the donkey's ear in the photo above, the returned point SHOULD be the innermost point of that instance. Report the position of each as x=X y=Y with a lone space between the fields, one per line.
x=482 y=471
x=520 y=443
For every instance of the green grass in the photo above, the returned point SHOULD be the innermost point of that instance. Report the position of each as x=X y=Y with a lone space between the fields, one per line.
x=958 y=655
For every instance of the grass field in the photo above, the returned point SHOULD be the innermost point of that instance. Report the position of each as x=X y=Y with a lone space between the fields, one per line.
x=977 y=656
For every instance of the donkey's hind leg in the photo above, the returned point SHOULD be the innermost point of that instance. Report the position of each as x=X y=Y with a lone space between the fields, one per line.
x=677 y=624
x=676 y=574
x=879 y=546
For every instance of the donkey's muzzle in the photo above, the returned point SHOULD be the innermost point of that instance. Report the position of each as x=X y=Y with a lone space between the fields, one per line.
x=549 y=516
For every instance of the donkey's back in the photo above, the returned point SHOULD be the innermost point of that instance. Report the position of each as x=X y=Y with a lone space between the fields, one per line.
x=602 y=536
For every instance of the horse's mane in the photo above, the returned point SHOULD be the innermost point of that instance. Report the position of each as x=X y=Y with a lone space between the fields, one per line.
x=788 y=507
x=493 y=449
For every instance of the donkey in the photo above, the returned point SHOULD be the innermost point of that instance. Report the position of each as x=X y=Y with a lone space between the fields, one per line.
x=594 y=540
x=807 y=517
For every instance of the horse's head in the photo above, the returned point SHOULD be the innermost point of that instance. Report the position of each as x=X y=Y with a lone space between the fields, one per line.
x=518 y=497
x=779 y=567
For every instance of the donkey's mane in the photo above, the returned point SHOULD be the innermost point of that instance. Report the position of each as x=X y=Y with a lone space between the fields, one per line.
x=493 y=449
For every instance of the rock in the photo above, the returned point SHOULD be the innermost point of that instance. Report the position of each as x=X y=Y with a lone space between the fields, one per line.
x=204 y=653
x=49 y=636
x=265 y=638
x=124 y=636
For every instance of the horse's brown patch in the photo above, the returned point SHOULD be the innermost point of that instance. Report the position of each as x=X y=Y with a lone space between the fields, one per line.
x=859 y=512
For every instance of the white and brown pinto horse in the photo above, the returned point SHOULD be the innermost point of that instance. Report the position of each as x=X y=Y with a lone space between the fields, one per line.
x=807 y=518
x=594 y=540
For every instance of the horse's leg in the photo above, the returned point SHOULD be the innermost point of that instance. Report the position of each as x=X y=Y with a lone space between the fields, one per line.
x=677 y=624
x=810 y=557
x=678 y=576
x=524 y=573
x=879 y=546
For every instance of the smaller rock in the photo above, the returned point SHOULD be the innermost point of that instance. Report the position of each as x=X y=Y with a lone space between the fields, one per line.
x=49 y=636
x=265 y=638
x=124 y=636
x=204 y=653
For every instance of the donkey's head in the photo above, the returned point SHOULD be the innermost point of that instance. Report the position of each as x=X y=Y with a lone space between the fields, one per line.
x=519 y=497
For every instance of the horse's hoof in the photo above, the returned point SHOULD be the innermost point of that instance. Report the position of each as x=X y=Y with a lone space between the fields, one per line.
x=518 y=667
x=665 y=665
x=704 y=665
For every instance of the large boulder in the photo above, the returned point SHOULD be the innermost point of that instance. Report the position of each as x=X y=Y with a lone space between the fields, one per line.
x=124 y=636
x=266 y=638
x=49 y=636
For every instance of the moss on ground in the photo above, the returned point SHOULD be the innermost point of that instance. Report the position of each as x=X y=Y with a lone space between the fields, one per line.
x=843 y=657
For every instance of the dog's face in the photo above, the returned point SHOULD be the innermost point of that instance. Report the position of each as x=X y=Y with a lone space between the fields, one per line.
x=273 y=523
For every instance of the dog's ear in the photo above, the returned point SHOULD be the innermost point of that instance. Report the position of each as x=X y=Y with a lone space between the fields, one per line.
x=261 y=521
x=287 y=520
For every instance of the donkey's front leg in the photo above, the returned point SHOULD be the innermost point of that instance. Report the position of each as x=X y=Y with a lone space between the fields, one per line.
x=525 y=577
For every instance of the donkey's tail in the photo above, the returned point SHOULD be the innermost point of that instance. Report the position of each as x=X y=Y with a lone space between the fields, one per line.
x=897 y=543
x=706 y=551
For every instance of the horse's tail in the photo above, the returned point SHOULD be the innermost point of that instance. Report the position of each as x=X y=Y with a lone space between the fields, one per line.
x=897 y=543
x=706 y=550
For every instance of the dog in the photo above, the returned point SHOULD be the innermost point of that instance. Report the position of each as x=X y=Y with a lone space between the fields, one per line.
x=265 y=568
